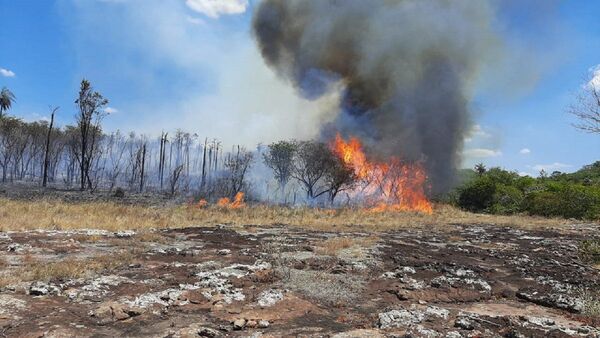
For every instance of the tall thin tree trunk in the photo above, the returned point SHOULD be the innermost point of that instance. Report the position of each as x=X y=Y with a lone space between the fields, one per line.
x=204 y=164
x=47 y=154
x=142 y=169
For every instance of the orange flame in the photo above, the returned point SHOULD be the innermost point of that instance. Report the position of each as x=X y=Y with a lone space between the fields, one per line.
x=202 y=204
x=223 y=202
x=238 y=202
x=394 y=186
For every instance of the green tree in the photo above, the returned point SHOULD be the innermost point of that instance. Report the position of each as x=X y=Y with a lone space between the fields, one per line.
x=280 y=159
x=7 y=98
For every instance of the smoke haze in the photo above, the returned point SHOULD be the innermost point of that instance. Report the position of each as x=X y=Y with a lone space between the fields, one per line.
x=406 y=69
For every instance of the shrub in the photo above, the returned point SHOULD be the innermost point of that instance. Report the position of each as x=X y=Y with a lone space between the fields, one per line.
x=589 y=250
x=507 y=200
x=501 y=176
x=119 y=193
x=477 y=195
x=543 y=203
x=565 y=200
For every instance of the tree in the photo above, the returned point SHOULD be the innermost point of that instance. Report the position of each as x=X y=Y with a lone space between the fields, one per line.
x=115 y=148
x=90 y=104
x=47 y=151
x=10 y=128
x=339 y=177
x=174 y=179
x=236 y=168
x=280 y=159
x=7 y=98
x=312 y=162
x=480 y=169
x=587 y=107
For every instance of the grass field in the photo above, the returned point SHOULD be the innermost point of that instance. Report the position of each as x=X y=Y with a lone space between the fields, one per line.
x=57 y=214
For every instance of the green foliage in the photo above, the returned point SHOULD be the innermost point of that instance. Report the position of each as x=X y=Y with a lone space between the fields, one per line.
x=477 y=195
x=7 y=98
x=279 y=158
x=565 y=200
x=507 y=200
x=498 y=191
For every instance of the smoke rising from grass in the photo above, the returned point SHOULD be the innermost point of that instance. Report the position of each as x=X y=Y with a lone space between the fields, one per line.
x=406 y=69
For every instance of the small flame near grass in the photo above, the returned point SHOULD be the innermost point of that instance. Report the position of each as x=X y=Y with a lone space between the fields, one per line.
x=225 y=203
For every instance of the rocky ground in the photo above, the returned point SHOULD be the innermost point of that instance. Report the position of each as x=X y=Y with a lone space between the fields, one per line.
x=467 y=281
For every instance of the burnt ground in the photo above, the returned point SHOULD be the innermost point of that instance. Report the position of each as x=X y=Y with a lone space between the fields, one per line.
x=468 y=281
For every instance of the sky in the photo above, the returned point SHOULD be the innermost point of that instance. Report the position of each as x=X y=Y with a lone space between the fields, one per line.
x=194 y=65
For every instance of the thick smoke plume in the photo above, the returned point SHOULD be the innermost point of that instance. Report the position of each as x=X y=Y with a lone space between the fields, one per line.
x=405 y=68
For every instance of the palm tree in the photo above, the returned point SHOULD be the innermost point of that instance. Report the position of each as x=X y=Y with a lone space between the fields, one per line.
x=6 y=100
x=480 y=169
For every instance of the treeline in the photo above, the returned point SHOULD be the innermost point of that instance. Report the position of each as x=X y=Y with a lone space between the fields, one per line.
x=497 y=191
x=177 y=163
x=172 y=163
x=83 y=156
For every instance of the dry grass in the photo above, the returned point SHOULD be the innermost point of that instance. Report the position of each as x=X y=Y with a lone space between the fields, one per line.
x=589 y=251
x=329 y=289
x=150 y=236
x=36 y=270
x=333 y=246
x=55 y=214
x=8 y=279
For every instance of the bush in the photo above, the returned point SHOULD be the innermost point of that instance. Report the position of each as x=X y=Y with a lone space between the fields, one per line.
x=507 y=200
x=119 y=193
x=543 y=203
x=565 y=200
x=589 y=250
x=477 y=195
x=498 y=191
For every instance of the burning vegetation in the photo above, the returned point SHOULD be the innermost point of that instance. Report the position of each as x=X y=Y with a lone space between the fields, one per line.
x=384 y=186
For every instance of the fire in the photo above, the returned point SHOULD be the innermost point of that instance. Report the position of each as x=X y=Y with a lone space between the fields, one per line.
x=394 y=186
x=238 y=202
x=202 y=204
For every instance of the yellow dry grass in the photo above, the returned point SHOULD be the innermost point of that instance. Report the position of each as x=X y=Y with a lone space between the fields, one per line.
x=32 y=269
x=334 y=245
x=56 y=214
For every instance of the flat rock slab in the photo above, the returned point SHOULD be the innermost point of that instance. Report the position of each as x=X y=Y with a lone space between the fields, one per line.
x=226 y=281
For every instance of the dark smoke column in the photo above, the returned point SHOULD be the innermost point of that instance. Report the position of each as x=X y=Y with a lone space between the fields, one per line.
x=406 y=68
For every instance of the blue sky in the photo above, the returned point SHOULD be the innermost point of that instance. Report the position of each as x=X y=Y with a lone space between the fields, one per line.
x=194 y=65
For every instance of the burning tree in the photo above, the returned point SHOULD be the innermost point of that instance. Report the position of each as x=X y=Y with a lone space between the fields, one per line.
x=391 y=185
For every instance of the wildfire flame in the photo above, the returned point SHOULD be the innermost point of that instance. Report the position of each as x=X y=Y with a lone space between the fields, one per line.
x=394 y=186
x=238 y=202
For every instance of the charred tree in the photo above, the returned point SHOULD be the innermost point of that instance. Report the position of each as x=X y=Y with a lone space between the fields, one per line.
x=47 y=152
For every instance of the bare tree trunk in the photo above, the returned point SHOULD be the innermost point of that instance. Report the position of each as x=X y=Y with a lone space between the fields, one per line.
x=204 y=164
x=142 y=169
x=47 y=154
